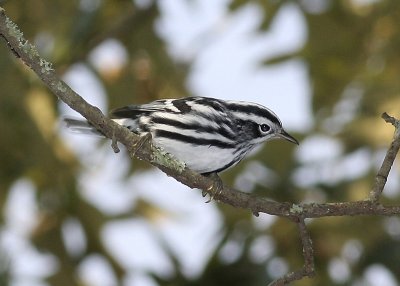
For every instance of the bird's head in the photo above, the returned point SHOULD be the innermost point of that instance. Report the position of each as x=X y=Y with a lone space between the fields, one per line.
x=259 y=123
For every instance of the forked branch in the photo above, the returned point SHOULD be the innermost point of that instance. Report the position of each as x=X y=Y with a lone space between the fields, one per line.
x=308 y=269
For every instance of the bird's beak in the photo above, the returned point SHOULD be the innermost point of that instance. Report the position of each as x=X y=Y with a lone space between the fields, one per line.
x=284 y=135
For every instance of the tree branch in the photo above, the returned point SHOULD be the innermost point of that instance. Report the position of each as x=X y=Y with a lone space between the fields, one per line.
x=22 y=49
x=308 y=270
x=383 y=173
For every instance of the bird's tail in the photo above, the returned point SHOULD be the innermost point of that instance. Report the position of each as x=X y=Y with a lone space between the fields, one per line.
x=81 y=126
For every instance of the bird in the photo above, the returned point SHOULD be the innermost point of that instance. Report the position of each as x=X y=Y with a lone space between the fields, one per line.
x=209 y=135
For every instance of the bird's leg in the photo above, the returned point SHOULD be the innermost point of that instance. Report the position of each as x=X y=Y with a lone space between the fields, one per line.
x=143 y=139
x=216 y=187
x=114 y=143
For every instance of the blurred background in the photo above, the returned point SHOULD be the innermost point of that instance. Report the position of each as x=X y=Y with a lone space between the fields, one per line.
x=74 y=213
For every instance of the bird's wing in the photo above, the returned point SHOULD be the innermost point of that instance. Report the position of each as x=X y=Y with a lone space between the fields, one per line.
x=135 y=111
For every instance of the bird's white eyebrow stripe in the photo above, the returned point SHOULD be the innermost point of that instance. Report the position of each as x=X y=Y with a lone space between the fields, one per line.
x=253 y=109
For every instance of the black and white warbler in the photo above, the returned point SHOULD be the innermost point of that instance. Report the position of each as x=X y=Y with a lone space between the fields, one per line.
x=209 y=135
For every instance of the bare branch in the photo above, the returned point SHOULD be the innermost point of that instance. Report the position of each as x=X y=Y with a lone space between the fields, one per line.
x=308 y=269
x=383 y=173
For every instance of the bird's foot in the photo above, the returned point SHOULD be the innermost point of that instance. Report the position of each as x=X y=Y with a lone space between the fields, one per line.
x=114 y=143
x=215 y=189
x=143 y=139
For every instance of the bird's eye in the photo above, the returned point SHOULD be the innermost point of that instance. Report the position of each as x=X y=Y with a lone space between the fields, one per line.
x=264 y=127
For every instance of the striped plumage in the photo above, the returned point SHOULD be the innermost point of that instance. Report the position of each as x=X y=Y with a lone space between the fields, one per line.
x=209 y=135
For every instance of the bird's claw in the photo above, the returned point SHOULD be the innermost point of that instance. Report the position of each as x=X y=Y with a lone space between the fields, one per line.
x=215 y=189
x=114 y=143
x=143 y=139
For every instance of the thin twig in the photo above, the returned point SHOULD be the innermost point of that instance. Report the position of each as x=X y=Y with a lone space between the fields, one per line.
x=383 y=173
x=308 y=250
x=308 y=269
